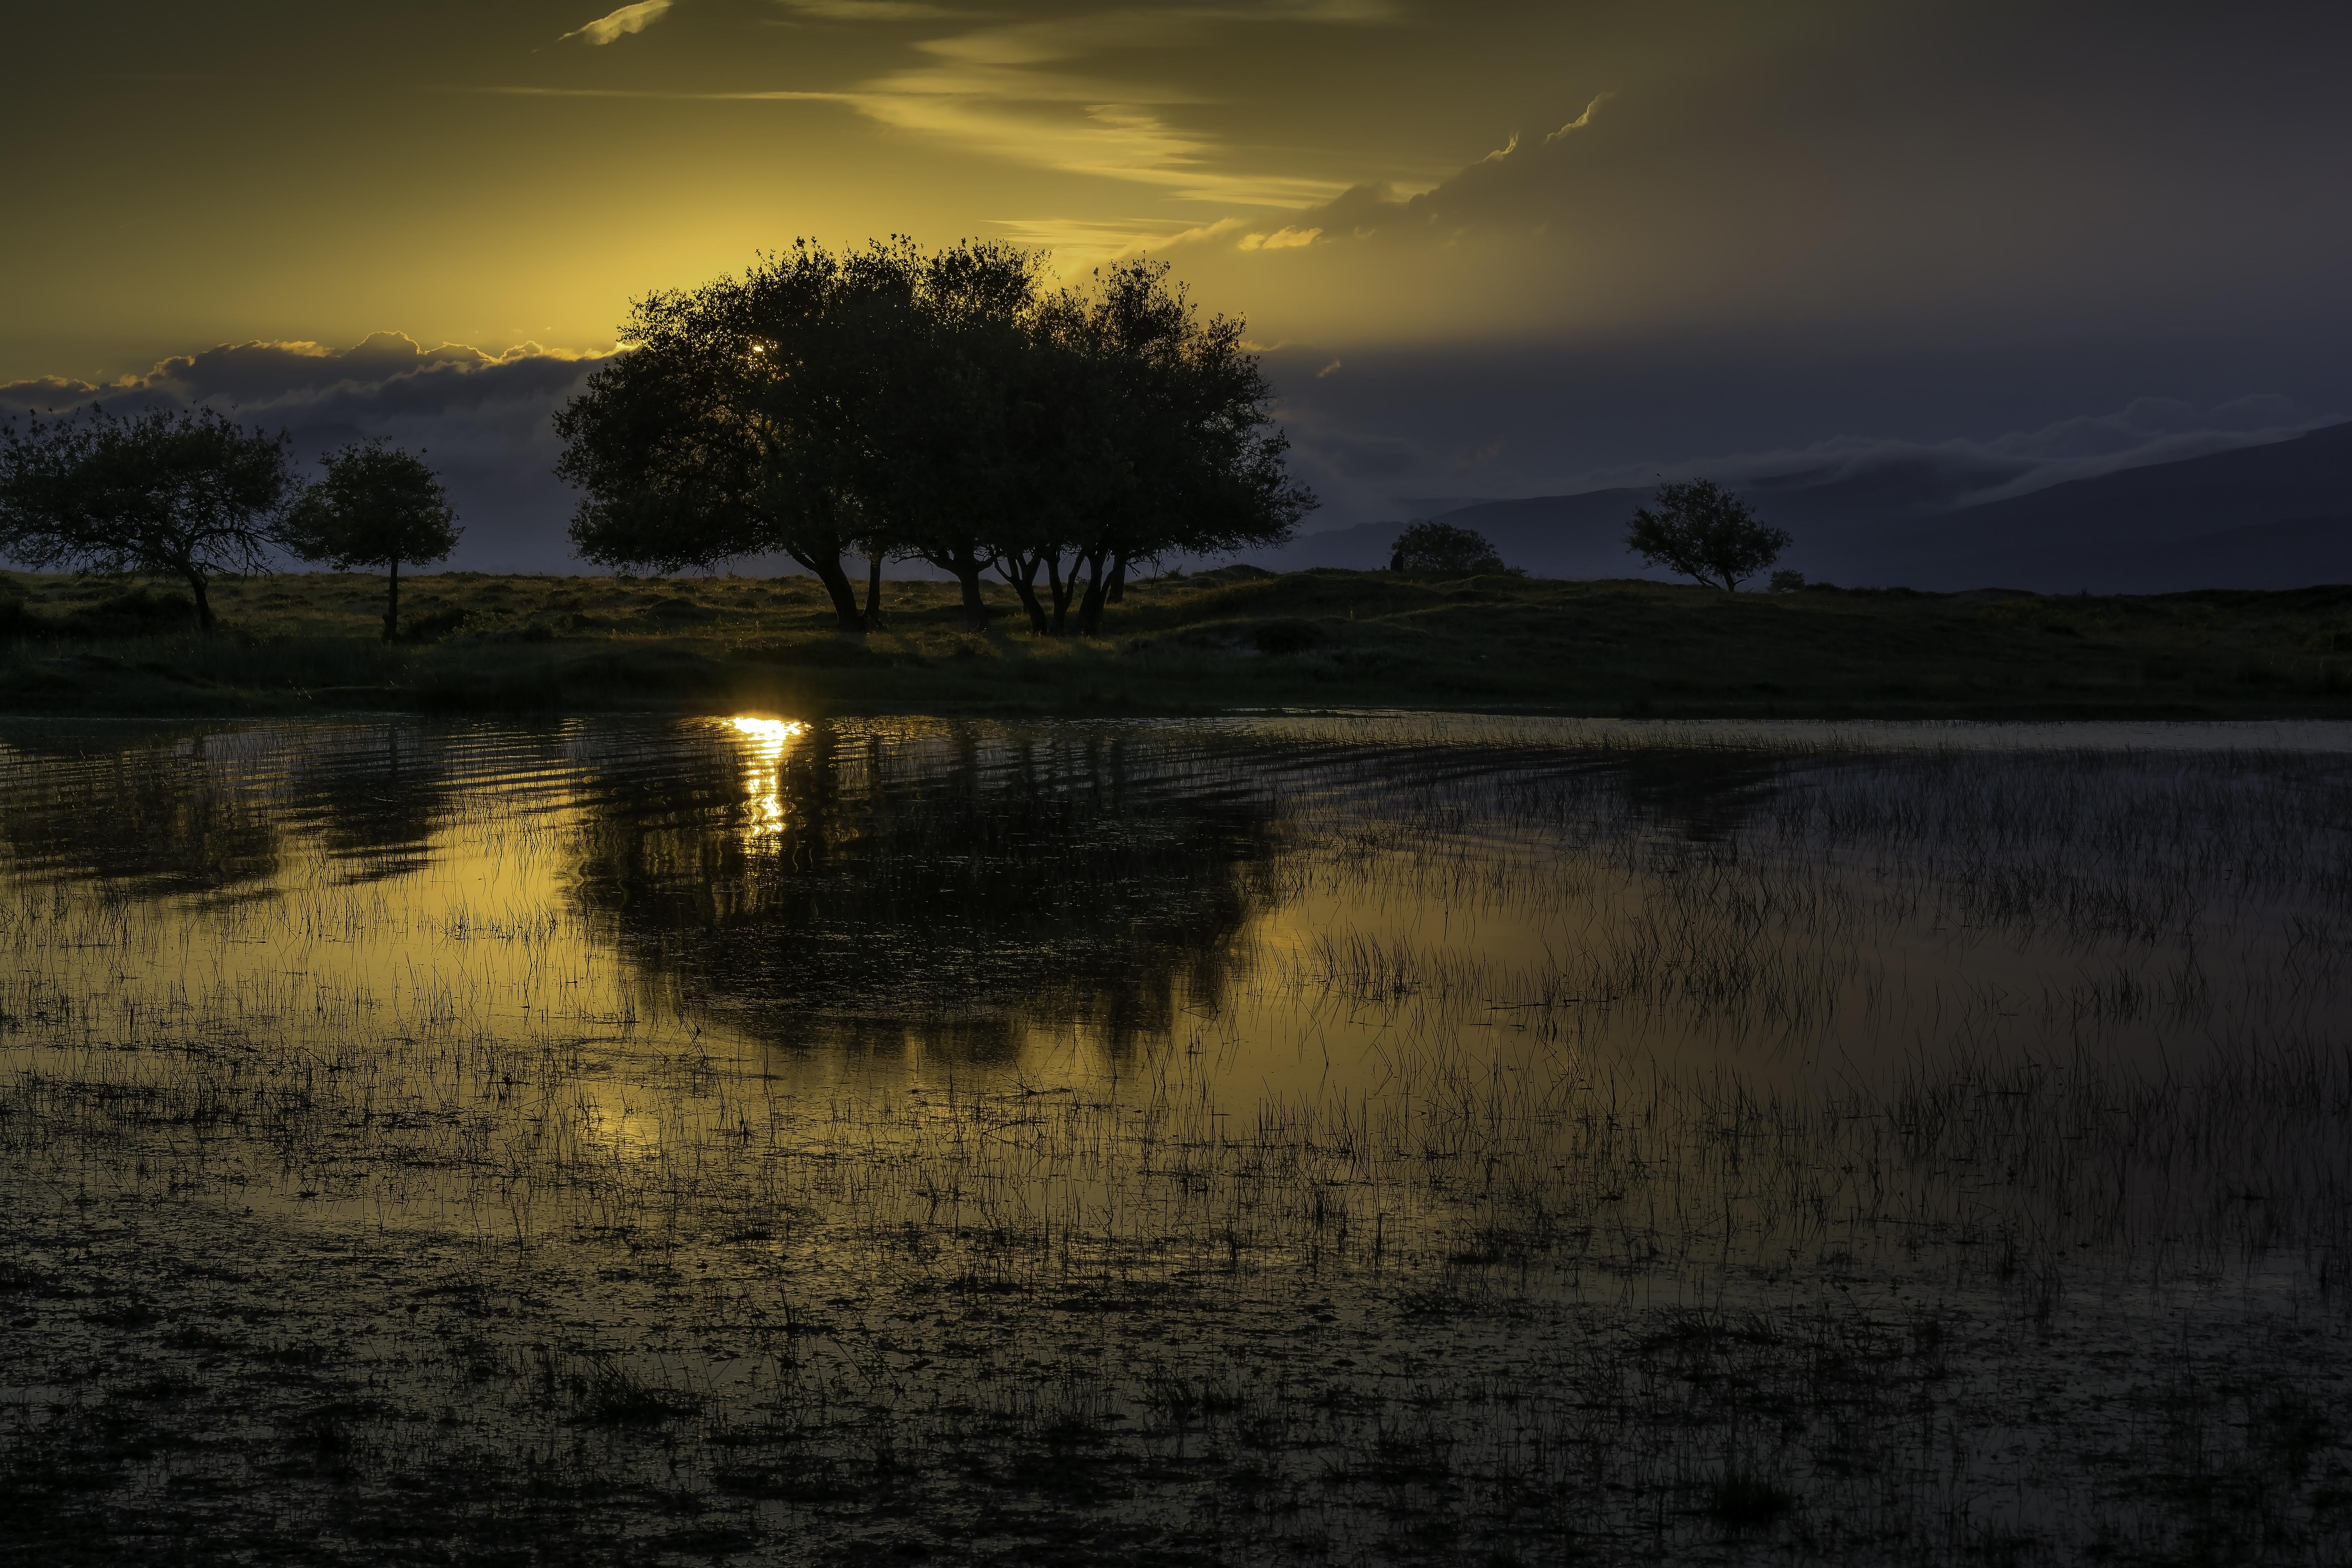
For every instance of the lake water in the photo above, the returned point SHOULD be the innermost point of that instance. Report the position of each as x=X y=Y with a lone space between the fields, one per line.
x=1038 y=1086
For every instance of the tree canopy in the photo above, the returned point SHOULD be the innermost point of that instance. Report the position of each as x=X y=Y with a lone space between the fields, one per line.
x=188 y=494
x=940 y=405
x=375 y=506
x=1705 y=532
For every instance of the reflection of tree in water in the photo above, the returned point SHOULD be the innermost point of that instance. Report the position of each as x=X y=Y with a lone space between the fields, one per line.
x=206 y=813
x=154 y=814
x=968 y=885
x=376 y=801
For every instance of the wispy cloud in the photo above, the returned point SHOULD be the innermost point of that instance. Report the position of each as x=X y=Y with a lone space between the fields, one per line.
x=483 y=416
x=867 y=10
x=1281 y=239
x=1079 y=243
x=1580 y=123
x=1510 y=186
x=1026 y=91
x=628 y=19
x=1041 y=93
x=652 y=92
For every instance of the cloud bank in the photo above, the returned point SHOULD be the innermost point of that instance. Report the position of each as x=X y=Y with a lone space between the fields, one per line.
x=1383 y=436
x=482 y=419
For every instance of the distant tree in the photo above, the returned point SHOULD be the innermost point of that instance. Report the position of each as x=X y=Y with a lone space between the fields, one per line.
x=1786 y=581
x=376 y=506
x=192 y=495
x=1705 y=532
x=1442 y=547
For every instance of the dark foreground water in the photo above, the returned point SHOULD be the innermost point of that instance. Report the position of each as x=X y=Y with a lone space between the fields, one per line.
x=1393 y=1137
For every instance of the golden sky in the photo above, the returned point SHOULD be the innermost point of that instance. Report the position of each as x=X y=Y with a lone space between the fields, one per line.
x=492 y=175
x=1418 y=206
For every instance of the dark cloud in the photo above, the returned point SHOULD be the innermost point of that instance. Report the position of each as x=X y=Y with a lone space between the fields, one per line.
x=1920 y=175
x=1918 y=478
x=482 y=419
x=1917 y=433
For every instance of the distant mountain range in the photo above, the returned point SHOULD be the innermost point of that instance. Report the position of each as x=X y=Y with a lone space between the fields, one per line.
x=2278 y=515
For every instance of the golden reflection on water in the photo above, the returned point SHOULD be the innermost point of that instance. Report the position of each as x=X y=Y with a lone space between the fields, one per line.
x=766 y=743
x=1374 y=962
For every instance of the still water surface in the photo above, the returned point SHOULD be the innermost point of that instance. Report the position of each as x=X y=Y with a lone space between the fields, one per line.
x=1391 y=1137
x=908 y=900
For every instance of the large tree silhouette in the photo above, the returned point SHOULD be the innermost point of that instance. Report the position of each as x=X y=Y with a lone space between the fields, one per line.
x=939 y=406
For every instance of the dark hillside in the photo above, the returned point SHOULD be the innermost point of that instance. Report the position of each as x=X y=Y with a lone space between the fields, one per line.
x=2277 y=515
x=2167 y=527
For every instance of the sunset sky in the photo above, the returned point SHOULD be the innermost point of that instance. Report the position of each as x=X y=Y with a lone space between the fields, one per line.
x=1491 y=249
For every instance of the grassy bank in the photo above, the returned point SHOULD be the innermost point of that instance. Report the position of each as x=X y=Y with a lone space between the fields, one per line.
x=1232 y=638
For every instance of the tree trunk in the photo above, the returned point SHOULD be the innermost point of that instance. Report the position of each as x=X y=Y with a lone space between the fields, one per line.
x=1090 y=608
x=392 y=605
x=1118 y=589
x=1061 y=589
x=975 y=610
x=826 y=569
x=1025 y=584
x=197 y=585
x=873 y=592
x=962 y=561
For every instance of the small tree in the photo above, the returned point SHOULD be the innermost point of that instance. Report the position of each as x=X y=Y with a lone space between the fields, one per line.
x=192 y=495
x=377 y=506
x=1441 y=547
x=1705 y=532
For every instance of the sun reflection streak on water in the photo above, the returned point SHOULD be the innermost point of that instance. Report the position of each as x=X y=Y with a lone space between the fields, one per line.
x=764 y=786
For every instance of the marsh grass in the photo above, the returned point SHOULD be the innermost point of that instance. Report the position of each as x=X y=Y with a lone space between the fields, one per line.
x=1530 y=1151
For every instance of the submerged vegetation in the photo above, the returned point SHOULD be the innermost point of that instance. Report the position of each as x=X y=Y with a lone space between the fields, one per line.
x=1233 y=639
x=1320 y=1139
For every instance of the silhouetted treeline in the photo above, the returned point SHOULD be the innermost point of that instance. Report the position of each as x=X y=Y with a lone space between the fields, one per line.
x=943 y=406
x=194 y=494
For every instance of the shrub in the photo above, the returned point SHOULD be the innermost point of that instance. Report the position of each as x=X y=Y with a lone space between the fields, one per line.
x=1287 y=636
x=435 y=625
x=141 y=611
x=1442 y=547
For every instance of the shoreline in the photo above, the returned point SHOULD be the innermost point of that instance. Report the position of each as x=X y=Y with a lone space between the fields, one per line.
x=1225 y=642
